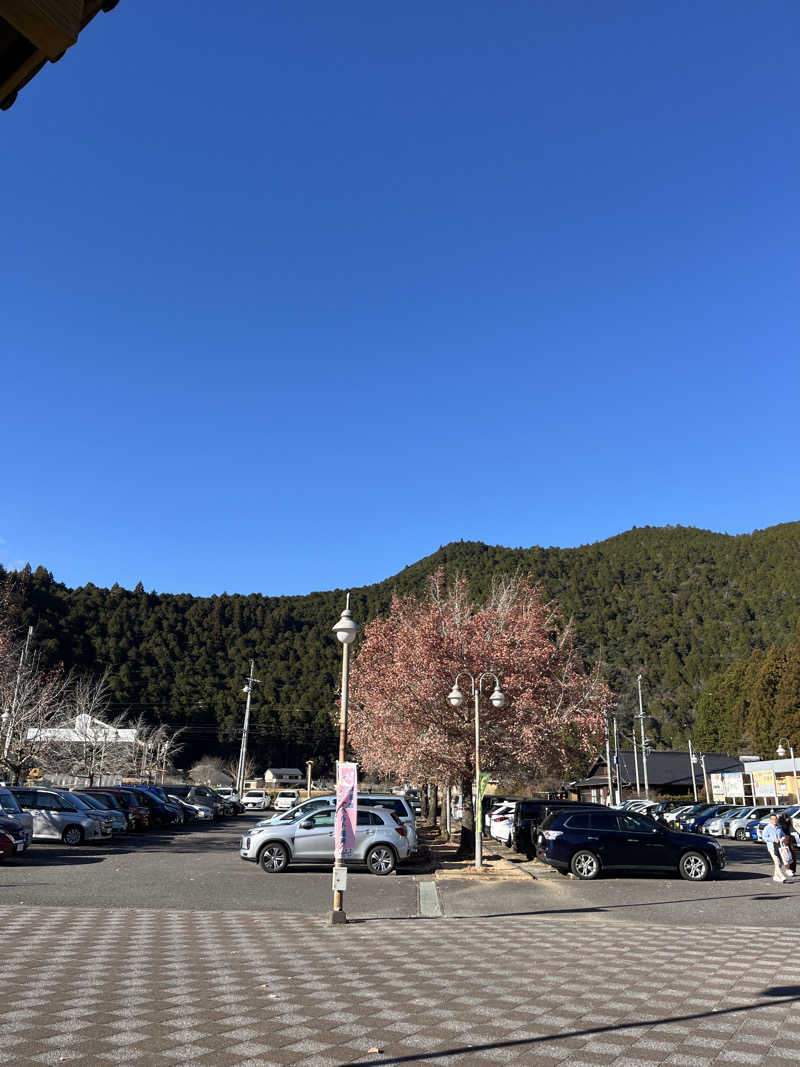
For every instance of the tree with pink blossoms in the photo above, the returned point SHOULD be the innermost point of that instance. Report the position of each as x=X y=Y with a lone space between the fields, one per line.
x=401 y=722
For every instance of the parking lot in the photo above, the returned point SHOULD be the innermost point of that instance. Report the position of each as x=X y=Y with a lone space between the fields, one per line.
x=198 y=868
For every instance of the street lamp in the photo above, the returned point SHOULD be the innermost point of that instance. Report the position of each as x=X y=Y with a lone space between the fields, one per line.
x=781 y=751
x=498 y=699
x=345 y=629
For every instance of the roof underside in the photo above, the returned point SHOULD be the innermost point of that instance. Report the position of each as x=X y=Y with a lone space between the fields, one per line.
x=34 y=32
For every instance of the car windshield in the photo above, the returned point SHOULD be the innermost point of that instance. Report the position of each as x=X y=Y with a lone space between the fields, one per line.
x=305 y=808
x=93 y=802
x=79 y=802
x=8 y=801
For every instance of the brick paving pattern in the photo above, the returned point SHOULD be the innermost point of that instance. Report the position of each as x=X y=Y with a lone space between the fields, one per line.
x=245 y=989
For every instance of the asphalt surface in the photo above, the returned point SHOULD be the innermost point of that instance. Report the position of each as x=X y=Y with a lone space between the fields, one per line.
x=744 y=893
x=197 y=867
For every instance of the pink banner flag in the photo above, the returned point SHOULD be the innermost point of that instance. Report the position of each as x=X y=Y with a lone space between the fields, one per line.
x=344 y=836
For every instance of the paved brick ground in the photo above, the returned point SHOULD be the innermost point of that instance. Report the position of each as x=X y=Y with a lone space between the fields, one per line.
x=236 y=988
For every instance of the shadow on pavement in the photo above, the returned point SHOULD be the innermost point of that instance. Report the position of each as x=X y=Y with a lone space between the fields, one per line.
x=519 y=1043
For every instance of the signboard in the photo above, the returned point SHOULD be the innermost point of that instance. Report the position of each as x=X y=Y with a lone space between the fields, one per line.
x=344 y=834
x=763 y=783
x=734 y=784
x=339 y=879
x=717 y=786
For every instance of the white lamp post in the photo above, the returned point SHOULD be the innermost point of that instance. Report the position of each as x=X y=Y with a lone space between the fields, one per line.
x=702 y=762
x=345 y=630
x=498 y=699
x=781 y=751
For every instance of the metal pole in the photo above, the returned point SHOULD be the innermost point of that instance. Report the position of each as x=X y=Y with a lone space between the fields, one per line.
x=691 y=768
x=705 y=776
x=243 y=749
x=636 y=762
x=608 y=762
x=794 y=773
x=338 y=894
x=447 y=811
x=478 y=816
x=616 y=762
x=644 y=745
x=309 y=765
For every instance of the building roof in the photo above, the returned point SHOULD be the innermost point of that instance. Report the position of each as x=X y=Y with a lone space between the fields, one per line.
x=663 y=768
x=86 y=729
x=34 y=32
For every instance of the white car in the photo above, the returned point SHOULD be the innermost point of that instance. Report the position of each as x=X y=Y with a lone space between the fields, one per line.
x=287 y=798
x=501 y=822
x=256 y=799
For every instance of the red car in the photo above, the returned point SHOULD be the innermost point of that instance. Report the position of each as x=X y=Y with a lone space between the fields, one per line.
x=12 y=838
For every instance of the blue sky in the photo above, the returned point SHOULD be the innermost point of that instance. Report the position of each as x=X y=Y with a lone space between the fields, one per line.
x=294 y=298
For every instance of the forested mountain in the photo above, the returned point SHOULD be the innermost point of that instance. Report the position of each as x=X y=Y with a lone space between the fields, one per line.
x=675 y=604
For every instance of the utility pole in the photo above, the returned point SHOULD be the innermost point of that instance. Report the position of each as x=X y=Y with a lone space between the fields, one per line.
x=692 y=759
x=608 y=762
x=251 y=681
x=636 y=762
x=644 y=739
x=616 y=762
x=22 y=657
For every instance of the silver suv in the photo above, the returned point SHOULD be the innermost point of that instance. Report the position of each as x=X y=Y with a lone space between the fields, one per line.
x=9 y=808
x=399 y=805
x=56 y=817
x=381 y=841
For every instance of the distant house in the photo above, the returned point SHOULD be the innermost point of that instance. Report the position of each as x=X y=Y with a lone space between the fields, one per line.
x=283 y=776
x=668 y=774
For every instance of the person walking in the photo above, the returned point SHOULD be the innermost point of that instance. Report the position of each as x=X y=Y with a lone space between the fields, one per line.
x=772 y=837
x=787 y=847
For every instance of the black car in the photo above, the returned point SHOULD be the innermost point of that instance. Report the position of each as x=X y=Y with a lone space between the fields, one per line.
x=529 y=814
x=589 y=841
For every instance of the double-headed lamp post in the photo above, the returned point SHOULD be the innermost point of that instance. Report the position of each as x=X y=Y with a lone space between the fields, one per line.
x=781 y=751
x=498 y=699
x=345 y=629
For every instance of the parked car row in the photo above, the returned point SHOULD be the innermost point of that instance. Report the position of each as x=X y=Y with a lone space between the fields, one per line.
x=261 y=799
x=385 y=834
x=96 y=813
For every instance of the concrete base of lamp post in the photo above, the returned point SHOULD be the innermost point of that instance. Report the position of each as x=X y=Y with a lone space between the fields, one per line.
x=336 y=918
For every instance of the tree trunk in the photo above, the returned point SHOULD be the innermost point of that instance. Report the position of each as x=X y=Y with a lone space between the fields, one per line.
x=423 y=799
x=434 y=804
x=466 y=847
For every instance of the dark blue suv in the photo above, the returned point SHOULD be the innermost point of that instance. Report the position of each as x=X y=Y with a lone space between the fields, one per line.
x=589 y=841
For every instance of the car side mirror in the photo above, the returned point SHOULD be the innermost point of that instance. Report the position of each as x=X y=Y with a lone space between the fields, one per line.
x=306 y=824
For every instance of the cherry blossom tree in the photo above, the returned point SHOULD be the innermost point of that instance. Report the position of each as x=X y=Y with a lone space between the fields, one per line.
x=401 y=722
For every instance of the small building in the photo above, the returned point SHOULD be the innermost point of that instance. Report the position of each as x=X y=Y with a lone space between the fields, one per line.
x=668 y=774
x=280 y=777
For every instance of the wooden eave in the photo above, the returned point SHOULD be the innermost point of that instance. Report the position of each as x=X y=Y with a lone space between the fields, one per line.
x=35 y=32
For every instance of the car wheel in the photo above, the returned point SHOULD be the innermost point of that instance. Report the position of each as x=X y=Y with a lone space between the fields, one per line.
x=694 y=867
x=739 y=835
x=274 y=858
x=381 y=860
x=585 y=865
x=73 y=835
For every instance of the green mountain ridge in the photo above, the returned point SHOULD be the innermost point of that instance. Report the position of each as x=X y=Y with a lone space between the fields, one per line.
x=675 y=604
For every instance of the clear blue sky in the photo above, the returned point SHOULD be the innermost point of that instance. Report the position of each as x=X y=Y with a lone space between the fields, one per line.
x=291 y=299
